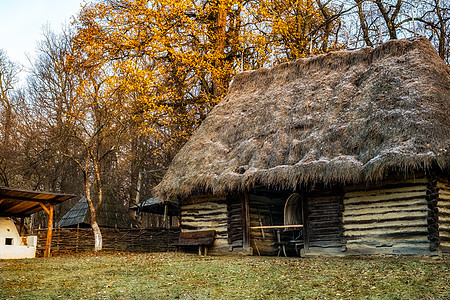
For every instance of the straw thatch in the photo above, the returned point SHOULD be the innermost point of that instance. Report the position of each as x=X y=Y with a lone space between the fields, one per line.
x=345 y=117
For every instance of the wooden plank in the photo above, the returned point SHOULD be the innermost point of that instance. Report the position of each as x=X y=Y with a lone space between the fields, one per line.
x=396 y=217
x=196 y=238
x=324 y=200
x=384 y=197
x=405 y=249
x=416 y=232
x=377 y=213
x=395 y=203
x=203 y=207
x=399 y=188
x=45 y=208
x=421 y=211
x=219 y=216
x=443 y=206
x=305 y=217
x=277 y=227
x=378 y=221
x=235 y=221
x=323 y=233
x=246 y=221
x=323 y=244
x=384 y=224
x=197 y=199
x=388 y=184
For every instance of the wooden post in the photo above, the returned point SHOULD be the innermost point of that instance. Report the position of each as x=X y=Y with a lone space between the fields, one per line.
x=305 y=218
x=246 y=222
x=77 y=237
x=22 y=223
x=166 y=214
x=49 y=232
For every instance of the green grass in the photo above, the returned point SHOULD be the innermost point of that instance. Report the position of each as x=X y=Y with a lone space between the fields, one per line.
x=186 y=276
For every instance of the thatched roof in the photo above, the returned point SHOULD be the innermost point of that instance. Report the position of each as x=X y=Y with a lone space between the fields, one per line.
x=344 y=117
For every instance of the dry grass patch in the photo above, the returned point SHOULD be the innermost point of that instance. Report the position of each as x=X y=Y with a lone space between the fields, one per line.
x=185 y=276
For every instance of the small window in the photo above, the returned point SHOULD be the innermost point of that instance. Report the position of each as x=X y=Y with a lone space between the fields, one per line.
x=9 y=241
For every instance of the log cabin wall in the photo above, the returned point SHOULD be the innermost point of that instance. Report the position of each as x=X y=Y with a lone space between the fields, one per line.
x=443 y=206
x=388 y=219
x=323 y=226
x=433 y=213
x=235 y=221
x=266 y=209
x=207 y=212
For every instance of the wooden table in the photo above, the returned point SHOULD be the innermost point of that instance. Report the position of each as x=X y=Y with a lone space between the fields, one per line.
x=277 y=227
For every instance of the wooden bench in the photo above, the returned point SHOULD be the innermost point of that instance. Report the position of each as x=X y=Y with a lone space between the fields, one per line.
x=201 y=239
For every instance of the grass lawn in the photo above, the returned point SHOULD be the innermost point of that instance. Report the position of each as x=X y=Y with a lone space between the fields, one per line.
x=187 y=276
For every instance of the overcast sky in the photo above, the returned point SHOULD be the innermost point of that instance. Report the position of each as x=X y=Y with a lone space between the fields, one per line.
x=22 y=21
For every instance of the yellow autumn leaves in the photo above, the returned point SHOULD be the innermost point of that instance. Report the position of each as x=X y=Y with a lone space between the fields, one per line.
x=174 y=60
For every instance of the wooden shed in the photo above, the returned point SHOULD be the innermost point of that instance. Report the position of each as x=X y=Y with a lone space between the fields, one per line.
x=155 y=213
x=338 y=154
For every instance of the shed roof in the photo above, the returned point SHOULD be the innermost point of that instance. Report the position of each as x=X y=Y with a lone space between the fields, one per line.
x=110 y=214
x=19 y=203
x=76 y=215
x=155 y=206
x=343 y=117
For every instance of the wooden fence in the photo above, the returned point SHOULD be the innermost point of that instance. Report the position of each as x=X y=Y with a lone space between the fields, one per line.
x=132 y=240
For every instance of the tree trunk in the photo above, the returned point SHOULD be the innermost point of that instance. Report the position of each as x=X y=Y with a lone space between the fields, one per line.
x=363 y=24
x=95 y=228
x=442 y=28
x=390 y=20
x=219 y=84
x=98 y=242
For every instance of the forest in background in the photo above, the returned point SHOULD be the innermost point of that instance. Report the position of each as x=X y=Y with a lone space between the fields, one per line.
x=110 y=100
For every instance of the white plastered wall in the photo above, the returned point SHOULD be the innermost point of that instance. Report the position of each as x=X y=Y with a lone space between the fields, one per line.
x=11 y=245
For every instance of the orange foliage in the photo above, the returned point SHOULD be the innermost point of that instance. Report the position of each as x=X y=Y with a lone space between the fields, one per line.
x=174 y=60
